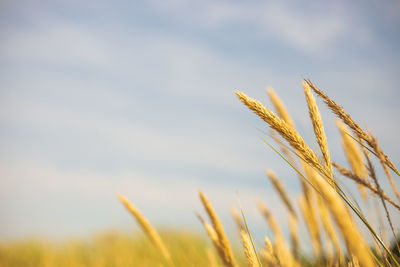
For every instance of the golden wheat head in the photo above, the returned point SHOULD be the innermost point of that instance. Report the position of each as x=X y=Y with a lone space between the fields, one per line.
x=146 y=226
x=284 y=129
x=223 y=239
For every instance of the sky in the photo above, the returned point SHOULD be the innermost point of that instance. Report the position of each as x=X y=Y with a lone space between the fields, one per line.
x=137 y=97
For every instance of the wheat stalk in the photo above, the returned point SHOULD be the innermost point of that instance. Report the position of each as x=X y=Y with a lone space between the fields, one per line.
x=223 y=239
x=318 y=127
x=146 y=226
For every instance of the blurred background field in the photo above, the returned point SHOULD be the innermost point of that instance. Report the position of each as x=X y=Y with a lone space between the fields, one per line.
x=108 y=249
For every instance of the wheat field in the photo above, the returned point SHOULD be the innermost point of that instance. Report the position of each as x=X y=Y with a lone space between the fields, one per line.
x=341 y=234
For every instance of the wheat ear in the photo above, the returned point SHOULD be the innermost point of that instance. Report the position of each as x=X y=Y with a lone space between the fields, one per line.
x=281 y=192
x=318 y=127
x=280 y=107
x=248 y=249
x=146 y=226
x=284 y=129
x=223 y=239
x=281 y=249
x=270 y=219
x=238 y=220
x=213 y=237
x=268 y=254
x=353 y=155
x=346 y=118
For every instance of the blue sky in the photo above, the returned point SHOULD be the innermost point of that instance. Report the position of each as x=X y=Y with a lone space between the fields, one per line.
x=99 y=98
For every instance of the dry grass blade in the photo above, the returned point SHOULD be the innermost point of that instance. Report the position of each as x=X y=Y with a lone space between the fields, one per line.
x=318 y=127
x=223 y=239
x=284 y=129
x=146 y=226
